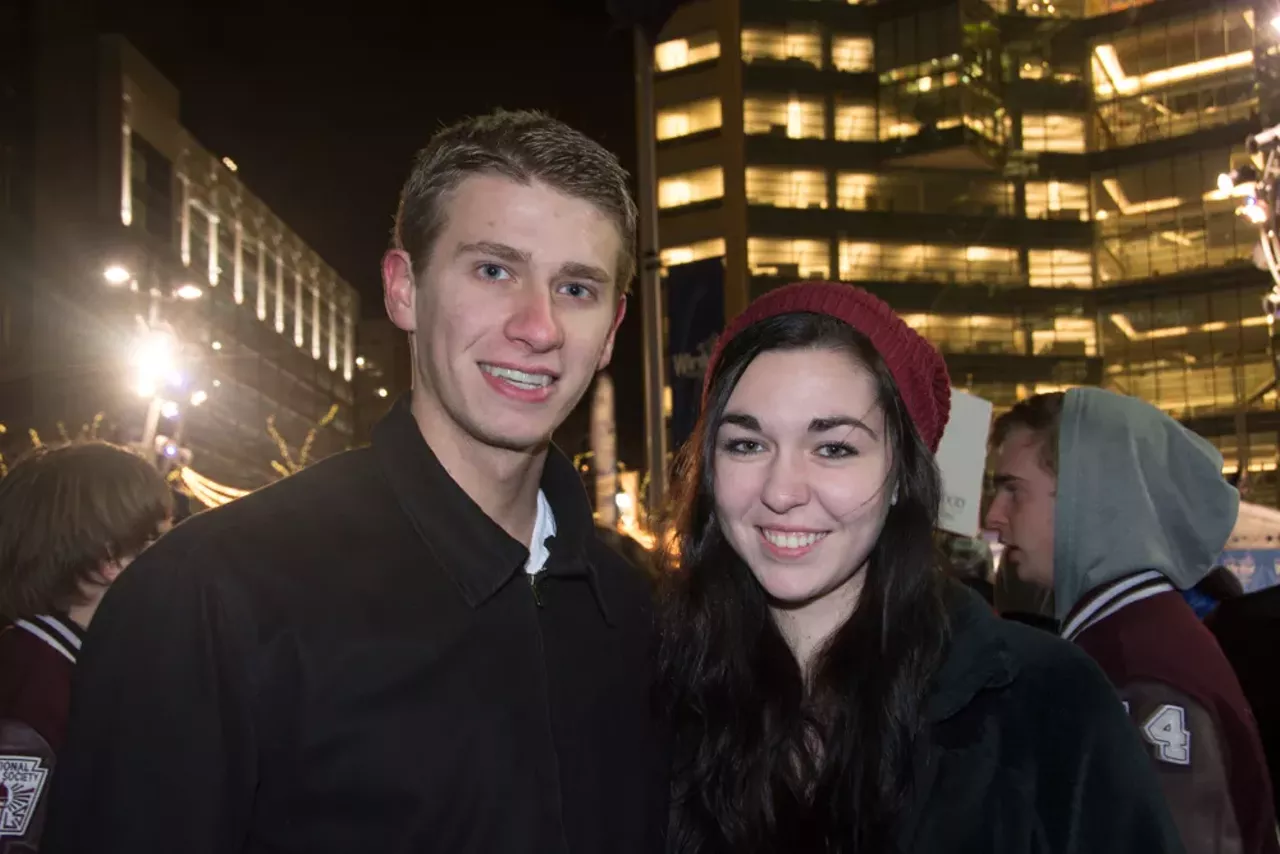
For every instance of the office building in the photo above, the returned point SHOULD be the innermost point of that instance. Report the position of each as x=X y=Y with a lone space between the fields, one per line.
x=160 y=291
x=1032 y=184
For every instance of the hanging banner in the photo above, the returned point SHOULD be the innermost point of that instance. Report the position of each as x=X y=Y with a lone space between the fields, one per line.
x=695 y=316
x=962 y=458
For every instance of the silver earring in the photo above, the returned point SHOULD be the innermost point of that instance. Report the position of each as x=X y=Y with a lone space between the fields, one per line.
x=893 y=499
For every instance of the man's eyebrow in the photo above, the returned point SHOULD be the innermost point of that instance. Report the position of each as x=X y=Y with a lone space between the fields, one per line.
x=590 y=272
x=1004 y=479
x=501 y=251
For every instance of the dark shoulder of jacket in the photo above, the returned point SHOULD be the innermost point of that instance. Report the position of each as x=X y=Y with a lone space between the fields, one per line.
x=1056 y=669
x=1044 y=674
x=620 y=580
x=321 y=504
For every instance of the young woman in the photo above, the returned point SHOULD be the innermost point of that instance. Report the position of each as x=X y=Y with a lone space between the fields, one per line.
x=830 y=691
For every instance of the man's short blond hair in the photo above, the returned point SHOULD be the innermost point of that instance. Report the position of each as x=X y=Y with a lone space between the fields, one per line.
x=524 y=146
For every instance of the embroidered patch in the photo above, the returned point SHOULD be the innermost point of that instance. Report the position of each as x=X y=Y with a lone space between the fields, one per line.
x=22 y=779
x=1167 y=731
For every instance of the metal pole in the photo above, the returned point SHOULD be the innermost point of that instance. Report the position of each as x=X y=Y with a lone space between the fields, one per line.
x=150 y=426
x=650 y=281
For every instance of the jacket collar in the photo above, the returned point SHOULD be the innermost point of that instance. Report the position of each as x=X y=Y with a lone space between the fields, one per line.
x=57 y=631
x=1104 y=601
x=474 y=550
x=977 y=658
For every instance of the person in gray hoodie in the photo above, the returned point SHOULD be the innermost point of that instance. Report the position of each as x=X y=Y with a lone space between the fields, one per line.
x=1114 y=506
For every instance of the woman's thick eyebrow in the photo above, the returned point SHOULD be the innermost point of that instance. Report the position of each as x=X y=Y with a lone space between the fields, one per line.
x=741 y=419
x=831 y=422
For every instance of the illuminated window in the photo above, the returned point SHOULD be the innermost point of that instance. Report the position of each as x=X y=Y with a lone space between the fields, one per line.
x=796 y=117
x=1170 y=79
x=924 y=192
x=686 y=119
x=1053 y=132
x=678 y=53
x=1168 y=216
x=1052 y=8
x=1094 y=8
x=853 y=53
x=786 y=188
x=789 y=259
x=791 y=45
x=855 y=192
x=970 y=333
x=689 y=253
x=1057 y=200
x=690 y=187
x=856 y=122
x=1192 y=354
x=916 y=262
x=1065 y=336
x=1060 y=268
x=1040 y=68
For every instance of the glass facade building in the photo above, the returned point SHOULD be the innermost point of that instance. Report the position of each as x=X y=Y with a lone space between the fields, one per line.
x=1032 y=184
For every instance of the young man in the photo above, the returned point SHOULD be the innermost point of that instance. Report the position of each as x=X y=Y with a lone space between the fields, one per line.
x=418 y=646
x=1112 y=505
x=71 y=519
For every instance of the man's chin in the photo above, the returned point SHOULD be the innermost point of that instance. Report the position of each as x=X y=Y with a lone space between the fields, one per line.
x=521 y=440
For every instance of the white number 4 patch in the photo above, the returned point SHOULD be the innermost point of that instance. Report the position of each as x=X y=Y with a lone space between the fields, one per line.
x=1167 y=730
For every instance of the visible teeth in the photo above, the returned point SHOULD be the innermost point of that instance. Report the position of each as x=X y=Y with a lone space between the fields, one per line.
x=519 y=378
x=791 y=540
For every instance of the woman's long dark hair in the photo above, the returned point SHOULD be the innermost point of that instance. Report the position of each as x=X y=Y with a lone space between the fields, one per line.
x=763 y=761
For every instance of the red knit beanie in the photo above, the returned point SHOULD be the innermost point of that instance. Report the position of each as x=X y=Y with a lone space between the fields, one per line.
x=917 y=367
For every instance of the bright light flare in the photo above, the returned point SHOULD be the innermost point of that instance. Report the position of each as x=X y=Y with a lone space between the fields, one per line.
x=1254 y=211
x=169 y=409
x=155 y=358
x=1275 y=23
x=199 y=397
x=382 y=392
x=1225 y=183
x=189 y=292
x=116 y=275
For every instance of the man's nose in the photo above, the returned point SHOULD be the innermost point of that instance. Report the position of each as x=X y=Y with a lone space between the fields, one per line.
x=534 y=320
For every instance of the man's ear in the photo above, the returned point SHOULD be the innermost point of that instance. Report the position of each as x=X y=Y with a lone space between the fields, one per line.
x=399 y=291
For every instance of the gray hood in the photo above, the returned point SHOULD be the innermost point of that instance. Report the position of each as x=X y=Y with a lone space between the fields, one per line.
x=1136 y=491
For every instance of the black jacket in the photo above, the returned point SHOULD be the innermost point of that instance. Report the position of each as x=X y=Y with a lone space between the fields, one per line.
x=1029 y=750
x=352 y=660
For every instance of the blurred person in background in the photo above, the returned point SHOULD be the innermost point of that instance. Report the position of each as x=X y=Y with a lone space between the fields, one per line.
x=1114 y=506
x=72 y=518
x=1211 y=591
x=1248 y=630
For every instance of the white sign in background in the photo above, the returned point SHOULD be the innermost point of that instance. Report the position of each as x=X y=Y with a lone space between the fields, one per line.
x=962 y=459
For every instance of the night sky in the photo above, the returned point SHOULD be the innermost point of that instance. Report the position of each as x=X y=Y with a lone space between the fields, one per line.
x=323 y=113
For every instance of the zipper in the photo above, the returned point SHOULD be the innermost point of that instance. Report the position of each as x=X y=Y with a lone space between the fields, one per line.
x=557 y=787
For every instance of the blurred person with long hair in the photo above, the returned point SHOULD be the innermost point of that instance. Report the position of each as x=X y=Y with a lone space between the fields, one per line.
x=830 y=690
